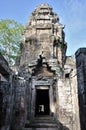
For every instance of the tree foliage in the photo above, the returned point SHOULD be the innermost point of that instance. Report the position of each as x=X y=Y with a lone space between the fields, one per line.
x=10 y=36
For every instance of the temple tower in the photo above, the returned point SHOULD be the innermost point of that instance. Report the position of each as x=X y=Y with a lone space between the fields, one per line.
x=44 y=52
x=44 y=36
x=50 y=76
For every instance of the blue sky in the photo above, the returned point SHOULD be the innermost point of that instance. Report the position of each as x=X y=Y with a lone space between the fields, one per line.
x=72 y=14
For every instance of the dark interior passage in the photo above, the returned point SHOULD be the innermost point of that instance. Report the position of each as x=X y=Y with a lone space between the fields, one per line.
x=42 y=102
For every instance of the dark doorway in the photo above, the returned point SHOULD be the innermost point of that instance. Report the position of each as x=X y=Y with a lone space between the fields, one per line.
x=42 y=102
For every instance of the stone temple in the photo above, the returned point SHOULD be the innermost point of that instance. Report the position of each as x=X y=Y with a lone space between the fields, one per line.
x=46 y=90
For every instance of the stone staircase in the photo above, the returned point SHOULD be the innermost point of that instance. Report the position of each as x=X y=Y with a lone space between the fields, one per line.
x=43 y=123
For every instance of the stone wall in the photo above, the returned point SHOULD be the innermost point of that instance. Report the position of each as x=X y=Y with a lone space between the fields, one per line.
x=67 y=110
x=6 y=94
x=81 y=78
x=21 y=104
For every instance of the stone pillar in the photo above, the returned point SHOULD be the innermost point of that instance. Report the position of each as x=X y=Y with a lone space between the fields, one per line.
x=81 y=77
x=33 y=99
x=52 y=106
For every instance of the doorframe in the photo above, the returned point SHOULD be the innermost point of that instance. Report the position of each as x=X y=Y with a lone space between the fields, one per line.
x=46 y=84
x=42 y=88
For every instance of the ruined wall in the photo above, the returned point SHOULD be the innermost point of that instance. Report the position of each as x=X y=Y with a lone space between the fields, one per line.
x=81 y=78
x=67 y=110
x=21 y=104
x=6 y=94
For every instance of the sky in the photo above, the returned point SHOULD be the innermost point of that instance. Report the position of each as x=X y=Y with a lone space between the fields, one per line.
x=72 y=14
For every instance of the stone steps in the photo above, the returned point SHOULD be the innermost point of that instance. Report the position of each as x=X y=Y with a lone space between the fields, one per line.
x=41 y=123
x=40 y=129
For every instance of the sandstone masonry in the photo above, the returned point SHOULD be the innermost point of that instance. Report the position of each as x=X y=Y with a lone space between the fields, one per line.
x=42 y=92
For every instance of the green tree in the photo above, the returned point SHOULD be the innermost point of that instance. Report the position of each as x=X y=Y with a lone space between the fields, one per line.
x=10 y=36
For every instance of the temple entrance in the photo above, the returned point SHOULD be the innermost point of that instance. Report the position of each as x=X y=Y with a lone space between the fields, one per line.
x=42 y=102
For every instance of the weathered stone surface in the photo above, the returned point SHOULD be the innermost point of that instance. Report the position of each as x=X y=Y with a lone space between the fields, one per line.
x=81 y=77
x=6 y=89
x=44 y=55
x=44 y=36
x=41 y=92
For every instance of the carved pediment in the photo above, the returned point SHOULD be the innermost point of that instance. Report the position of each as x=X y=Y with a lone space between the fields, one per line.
x=43 y=71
